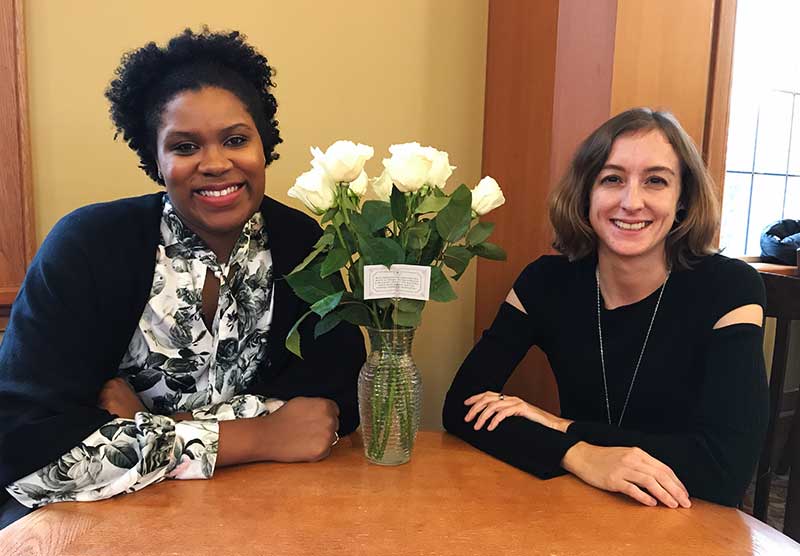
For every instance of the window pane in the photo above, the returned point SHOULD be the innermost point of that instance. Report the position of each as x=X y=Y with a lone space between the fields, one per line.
x=734 y=213
x=774 y=123
x=741 y=132
x=765 y=208
x=794 y=154
x=792 y=207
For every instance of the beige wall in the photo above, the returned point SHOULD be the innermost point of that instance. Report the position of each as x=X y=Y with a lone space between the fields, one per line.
x=375 y=71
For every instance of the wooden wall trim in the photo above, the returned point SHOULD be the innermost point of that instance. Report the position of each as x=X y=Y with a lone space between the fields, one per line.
x=584 y=68
x=23 y=129
x=518 y=115
x=17 y=232
x=548 y=84
x=715 y=139
x=661 y=58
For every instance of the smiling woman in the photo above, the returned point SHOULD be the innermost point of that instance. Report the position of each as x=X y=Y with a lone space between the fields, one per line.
x=655 y=340
x=210 y=156
x=147 y=341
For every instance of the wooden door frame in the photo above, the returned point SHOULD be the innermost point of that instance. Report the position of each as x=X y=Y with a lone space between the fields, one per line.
x=18 y=192
x=715 y=135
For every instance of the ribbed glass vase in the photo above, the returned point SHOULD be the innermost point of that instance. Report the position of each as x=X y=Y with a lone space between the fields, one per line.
x=389 y=397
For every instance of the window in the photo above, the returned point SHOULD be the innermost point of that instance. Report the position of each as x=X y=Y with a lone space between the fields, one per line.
x=762 y=170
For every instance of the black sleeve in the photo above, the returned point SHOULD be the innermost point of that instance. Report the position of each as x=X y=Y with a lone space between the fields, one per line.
x=715 y=458
x=331 y=363
x=51 y=369
x=517 y=441
x=329 y=369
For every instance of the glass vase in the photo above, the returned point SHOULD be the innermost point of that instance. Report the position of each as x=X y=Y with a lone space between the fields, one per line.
x=389 y=397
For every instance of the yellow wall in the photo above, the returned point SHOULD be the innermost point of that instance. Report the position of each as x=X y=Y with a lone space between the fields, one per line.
x=375 y=71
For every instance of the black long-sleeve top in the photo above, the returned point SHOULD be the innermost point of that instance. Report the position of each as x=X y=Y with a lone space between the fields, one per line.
x=699 y=402
x=91 y=279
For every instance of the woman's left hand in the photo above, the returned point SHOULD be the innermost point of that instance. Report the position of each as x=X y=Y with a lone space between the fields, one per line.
x=499 y=406
x=117 y=397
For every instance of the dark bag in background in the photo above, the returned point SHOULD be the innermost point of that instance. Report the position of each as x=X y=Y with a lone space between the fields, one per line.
x=780 y=242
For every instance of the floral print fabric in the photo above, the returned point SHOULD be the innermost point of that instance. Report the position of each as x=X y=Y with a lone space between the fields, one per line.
x=176 y=364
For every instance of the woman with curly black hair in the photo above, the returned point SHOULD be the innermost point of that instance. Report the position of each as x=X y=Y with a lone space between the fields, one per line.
x=147 y=341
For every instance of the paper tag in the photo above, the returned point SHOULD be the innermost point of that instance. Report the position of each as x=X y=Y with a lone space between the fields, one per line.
x=407 y=281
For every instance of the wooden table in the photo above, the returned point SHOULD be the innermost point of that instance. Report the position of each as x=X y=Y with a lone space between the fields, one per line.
x=450 y=499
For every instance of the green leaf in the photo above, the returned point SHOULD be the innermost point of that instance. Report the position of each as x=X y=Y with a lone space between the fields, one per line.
x=441 y=290
x=355 y=313
x=360 y=225
x=328 y=216
x=293 y=338
x=399 y=204
x=432 y=203
x=418 y=235
x=323 y=243
x=326 y=324
x=432 y=249
x=378 y=214
x=349 y=239
x=327 y=304
x=310 y=286
x=479 y=233
x=335 y=260
x=408 y=305
x=457 y=258
x=489 y=251
x=347 y=202
x=381 y=250
x=453 y=220
x=355 y=274
x=407 y=318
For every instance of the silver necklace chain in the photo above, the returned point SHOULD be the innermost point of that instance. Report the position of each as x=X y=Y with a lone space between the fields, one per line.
x=641 y=354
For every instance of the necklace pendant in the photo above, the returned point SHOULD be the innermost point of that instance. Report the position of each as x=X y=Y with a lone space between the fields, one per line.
x=641 y=353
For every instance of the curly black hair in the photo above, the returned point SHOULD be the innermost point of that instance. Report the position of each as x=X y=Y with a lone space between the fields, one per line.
x=149 y=77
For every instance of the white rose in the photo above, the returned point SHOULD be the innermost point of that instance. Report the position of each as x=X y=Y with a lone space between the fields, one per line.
x=487 y=196
x=408 y=167
x=315 y=189
x=440 y=167
x=343 y=161
x=359 y=185
x=382 y=186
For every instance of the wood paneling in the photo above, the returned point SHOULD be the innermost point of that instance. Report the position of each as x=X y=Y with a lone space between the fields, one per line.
x=715 y=140
x=548 y=84
x=584 y=62
x=17 y=242
x=662 y=58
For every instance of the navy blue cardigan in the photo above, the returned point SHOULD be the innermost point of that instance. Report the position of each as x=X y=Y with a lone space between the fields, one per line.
x=78 y=307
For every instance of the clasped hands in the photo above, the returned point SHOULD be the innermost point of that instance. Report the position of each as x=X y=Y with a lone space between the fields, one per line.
x=630 y=471
x=303 y=429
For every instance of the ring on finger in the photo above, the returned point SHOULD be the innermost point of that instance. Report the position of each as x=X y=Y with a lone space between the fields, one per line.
x=502 y=396
x=335 y=438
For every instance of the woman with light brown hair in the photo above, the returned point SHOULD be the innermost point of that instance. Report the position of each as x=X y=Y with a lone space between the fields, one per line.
x=654 y=338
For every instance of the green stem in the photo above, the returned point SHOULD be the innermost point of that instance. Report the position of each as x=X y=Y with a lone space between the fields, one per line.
x=387 y=412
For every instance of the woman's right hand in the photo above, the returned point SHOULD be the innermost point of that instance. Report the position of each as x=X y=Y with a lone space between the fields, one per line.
x=303 y=429
x=630 y=471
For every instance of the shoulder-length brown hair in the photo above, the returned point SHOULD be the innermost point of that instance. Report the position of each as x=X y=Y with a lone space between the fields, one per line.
x=696 y=224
